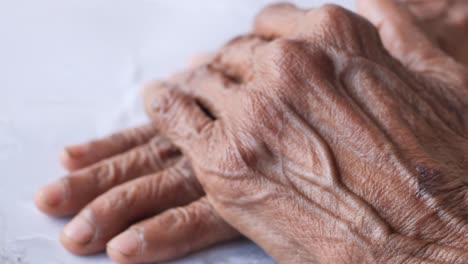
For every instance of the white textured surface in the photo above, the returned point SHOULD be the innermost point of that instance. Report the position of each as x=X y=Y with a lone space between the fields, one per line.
x=71 y=70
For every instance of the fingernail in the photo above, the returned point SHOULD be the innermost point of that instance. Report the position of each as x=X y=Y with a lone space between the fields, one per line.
x=52 y=194
x=127 y=243
x=76 y=151
x=79 y=230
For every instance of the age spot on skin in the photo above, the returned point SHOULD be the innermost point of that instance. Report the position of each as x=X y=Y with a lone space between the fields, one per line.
x=427 y=178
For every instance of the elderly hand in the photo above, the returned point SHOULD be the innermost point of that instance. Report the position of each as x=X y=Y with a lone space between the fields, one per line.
x=136 y=182
x=335 y=142
x=134 y=194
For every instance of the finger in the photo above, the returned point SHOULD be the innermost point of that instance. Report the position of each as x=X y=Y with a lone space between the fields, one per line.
x=445 y=23
x=400 y=35
x=71 y=193
x=115 y=210
x=235 y=58
x=278 y=20
x=81 y=155
x=173 y=234
x=178 y=116
x=427 y=9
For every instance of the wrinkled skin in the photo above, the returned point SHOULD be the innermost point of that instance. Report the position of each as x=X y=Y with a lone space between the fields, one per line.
x=109 y=176
x=332 y=148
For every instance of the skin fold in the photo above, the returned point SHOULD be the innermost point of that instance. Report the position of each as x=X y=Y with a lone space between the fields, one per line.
x=329 y=150
x=322 y=136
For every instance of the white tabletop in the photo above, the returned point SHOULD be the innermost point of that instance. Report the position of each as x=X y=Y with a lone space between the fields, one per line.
x=70 y=71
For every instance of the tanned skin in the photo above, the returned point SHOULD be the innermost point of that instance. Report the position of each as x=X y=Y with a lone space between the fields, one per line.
x=323 y=136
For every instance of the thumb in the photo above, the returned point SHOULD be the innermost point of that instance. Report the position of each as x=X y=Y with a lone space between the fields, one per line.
x=401 y=36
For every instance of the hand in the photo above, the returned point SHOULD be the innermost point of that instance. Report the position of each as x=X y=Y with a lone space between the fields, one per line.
x=445 y=22
x=136 y=190
x=109 y=152
x=329 y=145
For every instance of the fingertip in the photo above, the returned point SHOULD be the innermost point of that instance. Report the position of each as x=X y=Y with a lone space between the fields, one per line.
x=77 y=151
x=75 y=156
x=80 y=237
x=67 y=161
x=118 y=257
x=173 y=234
x=40 y=203
x=72 y=246
x=49 y=198
x=125 y=247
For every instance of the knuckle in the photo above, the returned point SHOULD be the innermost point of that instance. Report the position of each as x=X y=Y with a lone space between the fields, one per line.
x=332 y=22
x=119 y=199
x=236 y=41
x=182 y=171
x=181 y=216
x=158 y=97
x=285 y=53
x=149 y=90
x=105 y=174
x=182 y=220
x=200 y=59
x=176 y=173
x=133 y=136
x=163 y=100
x=279 y=6
x=331 y=12
x=160 y=153
x=180 y=178
x=139 y=135
x=270 y=9
x=171 y=102
x=332 y=17
x=152 y=86
x=336 y=28
x=284 y=48
x=291 y=62
x=157 y=185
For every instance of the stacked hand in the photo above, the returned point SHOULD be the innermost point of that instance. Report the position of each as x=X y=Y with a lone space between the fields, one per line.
x=322 y=136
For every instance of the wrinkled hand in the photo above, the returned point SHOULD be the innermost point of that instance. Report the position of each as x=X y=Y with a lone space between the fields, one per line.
x=135 y=196
x=112 y=179
x=335 y=142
